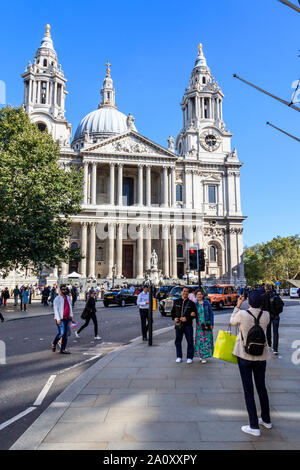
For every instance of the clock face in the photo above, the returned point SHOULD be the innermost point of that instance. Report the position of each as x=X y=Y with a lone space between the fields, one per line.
x=210 y=140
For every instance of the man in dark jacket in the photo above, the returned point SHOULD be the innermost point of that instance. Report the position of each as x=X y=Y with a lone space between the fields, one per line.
x=274 y=305
x=183 y=312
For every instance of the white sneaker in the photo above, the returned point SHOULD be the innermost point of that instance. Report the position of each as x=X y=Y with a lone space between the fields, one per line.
x=77 y=335
x=248 y=430
x=98 y=337
x=178 y=359
x=203 y=361
x=266 y=425
x=189 y=361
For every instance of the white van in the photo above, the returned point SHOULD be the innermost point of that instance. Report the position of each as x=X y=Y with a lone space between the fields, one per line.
x=294 y=292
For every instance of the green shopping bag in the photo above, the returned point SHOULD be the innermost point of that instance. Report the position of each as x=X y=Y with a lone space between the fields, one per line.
x=224 y=346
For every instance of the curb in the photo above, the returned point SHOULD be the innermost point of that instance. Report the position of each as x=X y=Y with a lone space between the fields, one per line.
x=36 y=433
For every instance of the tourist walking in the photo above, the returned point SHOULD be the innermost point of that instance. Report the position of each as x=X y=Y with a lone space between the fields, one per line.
x=63 y=316
x=45 y=296
x=274 y=305
x=183 y=312
x=16 y=294
x=6 y=296
x=53 y=294
x=74 y=295
x=204 y=341
x=143 y=304
x=252 y=352
x=25 y=298
x=90 y=310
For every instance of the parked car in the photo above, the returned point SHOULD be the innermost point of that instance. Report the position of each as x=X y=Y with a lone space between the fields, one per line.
x=163 y=292
x=121 y=297
x=294 y=293
x=166 y=305
x=222 y=296
x=284 y=292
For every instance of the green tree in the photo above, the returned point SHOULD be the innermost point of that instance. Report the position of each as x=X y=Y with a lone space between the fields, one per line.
x=273 y=261
x=37 y=196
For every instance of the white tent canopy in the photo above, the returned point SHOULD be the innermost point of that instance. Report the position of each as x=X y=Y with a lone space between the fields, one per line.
x=74 y=274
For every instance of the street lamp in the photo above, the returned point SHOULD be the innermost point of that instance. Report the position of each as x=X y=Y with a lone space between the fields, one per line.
x=187 y=277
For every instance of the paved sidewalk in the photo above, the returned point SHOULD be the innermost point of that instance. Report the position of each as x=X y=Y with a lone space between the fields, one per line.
x=137 y=397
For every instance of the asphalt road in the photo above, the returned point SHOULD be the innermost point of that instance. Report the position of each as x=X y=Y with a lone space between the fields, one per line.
x=30 y=363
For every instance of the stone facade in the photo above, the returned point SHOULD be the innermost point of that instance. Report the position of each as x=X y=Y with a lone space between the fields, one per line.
x=138 y=195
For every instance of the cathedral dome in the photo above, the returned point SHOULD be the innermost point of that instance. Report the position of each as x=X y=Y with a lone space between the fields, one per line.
x=105 y=120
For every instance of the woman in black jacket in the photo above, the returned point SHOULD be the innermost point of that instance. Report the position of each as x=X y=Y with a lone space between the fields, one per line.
x=90 y=308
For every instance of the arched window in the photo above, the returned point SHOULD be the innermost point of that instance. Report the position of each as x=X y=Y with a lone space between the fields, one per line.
x=45 y=63
x=179 y=251
x=213 y=254
x=203 y=80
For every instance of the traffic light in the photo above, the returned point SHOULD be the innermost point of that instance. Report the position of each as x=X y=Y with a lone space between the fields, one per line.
x=193 y=259
x=201 y=260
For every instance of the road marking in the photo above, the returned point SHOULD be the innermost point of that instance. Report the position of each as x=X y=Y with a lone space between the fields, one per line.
x=79 y=364
x=45 y=390
x=20 y=415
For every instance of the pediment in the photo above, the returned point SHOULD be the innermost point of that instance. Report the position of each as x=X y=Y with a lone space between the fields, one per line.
x=130 y=143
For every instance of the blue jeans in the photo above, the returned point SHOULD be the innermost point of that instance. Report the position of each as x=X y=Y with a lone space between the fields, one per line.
x=258 y=370
x=63 y=332
x=188 y=332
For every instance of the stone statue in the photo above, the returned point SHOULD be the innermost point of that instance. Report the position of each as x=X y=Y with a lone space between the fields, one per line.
x=130 y=121
x=171 y=143
x=153 y=260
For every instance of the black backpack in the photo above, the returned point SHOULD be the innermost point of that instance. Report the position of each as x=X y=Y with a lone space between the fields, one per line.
x=276 y=304
x=256 y=338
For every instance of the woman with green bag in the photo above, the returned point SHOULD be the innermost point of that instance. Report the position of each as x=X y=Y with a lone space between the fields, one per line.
x=204 y=341
x=253 y=364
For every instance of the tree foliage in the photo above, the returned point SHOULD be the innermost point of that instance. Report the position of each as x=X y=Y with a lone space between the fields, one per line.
x=276 y=260
x=37 y=196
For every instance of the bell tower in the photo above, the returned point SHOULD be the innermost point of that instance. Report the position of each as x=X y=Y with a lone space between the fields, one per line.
x=45 y=92
x=203 y=127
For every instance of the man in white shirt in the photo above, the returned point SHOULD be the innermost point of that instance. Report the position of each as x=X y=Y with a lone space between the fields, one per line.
x=143 y=303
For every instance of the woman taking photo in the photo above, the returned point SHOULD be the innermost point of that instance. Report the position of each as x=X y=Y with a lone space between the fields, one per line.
x=204 y=342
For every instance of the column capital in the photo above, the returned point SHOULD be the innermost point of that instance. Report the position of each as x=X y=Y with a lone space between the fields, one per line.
x=120 y=164
x=112 y=164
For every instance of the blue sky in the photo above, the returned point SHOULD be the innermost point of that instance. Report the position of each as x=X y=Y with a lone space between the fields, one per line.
x=152 y=46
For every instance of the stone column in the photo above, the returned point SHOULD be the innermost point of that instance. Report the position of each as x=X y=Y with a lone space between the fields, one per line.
x=139 y=253
x=120 y=184
x=140 y=185
x=83 y=248
x=148 y=186
x=111 y=248
x=165 y=187
x=64 y=269
x=173 y=187
x=148 y=240
x=85 y=183
x=92 y=250
x=119 y=250
x=112 y=184
x=39 y=91
x=174 y=252
x=165 y=243
x=94 y=184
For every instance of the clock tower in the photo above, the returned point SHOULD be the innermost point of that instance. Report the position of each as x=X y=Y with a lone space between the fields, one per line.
x=203 y=133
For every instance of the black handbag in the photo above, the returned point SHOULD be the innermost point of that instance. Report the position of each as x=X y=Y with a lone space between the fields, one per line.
x=85 y=314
